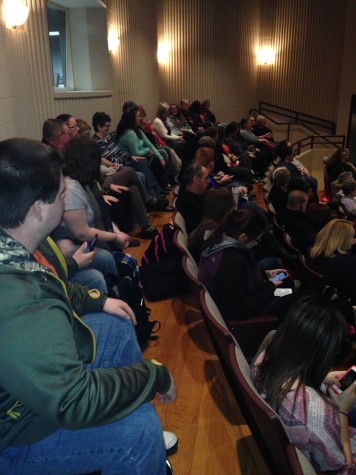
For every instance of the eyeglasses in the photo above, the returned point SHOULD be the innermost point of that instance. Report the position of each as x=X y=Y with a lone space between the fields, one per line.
x=73 y=127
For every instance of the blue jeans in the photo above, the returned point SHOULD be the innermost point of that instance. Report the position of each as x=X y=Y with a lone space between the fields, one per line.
x=91 y=278
x=131 y=446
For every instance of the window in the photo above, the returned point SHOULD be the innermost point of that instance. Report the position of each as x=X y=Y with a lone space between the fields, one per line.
x=77 y=34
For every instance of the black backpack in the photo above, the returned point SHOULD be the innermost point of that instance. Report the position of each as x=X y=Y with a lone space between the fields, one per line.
x=131 y=294
x=161 y=247
x=162 y=275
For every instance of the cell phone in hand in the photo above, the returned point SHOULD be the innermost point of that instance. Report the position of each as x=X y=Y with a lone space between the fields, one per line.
x=91 y=245
x=278 y=277
x=346 y=380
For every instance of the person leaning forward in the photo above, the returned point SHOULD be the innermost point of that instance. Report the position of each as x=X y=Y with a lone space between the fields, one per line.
x=74 y=390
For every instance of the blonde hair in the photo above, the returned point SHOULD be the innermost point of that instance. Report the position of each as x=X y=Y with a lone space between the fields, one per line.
x=162 y=108
x=334 y=237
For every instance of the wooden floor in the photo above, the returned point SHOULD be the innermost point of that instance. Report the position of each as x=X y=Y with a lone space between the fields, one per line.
x=214 y=438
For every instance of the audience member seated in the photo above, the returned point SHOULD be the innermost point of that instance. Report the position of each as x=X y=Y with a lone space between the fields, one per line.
x=263 y=152
x=196 y=113
x=75 y=390
x=162 y=129
x=241 y=174
x=349 y=198
x=338 y=163
x=84 y=129
x=295 y=221
x=261 y=129
x=233 y=139
x=111 y=153
x=286 y=155
x=205 y=156
x=190 y=200
x=249 y=137
x=278 y=194
x=268 y=247
x=132 y=140
x=85 y=213
x=71 y=123
x=218 y=202
x=207 y=113
x=330 y=256
x=233 y=277
x=336 y=186
x=185 y=109
x=55 y=133
x=293 y=376
x=177 y=122
x=169 y=154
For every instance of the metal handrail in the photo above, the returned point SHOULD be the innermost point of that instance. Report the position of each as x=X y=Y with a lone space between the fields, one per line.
x=337 y=141
x=307 y=121
x=295 y=117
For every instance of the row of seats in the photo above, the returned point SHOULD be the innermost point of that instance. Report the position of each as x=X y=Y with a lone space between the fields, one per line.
x=236 y=342
x=249 y=333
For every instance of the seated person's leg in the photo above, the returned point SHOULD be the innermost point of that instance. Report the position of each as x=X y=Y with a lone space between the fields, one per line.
x=104 y=261
x=131 y=446
x=116 y=342
x=91 y=278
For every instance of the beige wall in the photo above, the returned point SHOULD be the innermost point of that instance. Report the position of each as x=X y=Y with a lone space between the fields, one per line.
x=212 y=56
x=211 y=53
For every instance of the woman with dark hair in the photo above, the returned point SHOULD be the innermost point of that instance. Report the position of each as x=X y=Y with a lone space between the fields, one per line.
x=292 y=375
x=85 y=213
x=218 y=203
x=196 y=112
x=133 y=140
x=338 y=163
x=228 y=269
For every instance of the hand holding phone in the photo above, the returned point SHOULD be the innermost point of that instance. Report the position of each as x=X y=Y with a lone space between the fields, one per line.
x=91 y=245
x=345 y=380
x=278 y=277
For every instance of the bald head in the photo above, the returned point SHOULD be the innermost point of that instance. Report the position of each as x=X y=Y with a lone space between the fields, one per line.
x=297 y=200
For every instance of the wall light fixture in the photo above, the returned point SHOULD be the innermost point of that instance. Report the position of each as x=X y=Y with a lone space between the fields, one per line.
x=163 y=53
x=266 y=56
x=15 y=13
x=113 y=41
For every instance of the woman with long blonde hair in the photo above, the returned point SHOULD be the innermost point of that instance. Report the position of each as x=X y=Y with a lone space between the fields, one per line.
x=333 y=256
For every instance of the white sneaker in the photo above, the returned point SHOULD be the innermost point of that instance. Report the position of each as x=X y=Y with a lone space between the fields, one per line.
x=170 y=439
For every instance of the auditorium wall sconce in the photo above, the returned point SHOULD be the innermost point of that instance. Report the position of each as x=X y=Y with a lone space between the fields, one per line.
x=113 y=42
x=266 y=56
x=15 y=13
x=163 y=53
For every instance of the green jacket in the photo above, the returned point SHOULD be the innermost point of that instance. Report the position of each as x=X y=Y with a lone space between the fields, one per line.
x=43 y=346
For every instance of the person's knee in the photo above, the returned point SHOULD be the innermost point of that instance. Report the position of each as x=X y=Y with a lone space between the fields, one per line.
x=116 y=341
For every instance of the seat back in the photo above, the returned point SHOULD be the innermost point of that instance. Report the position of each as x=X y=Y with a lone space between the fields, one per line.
x=216 y=325
x=267 y=427
x=181 y=241
x=191 y=271
x=267 y=185
x=179 y=223
x=310 y=278
x=288 y=241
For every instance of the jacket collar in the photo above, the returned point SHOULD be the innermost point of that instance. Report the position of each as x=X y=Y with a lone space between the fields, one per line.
x=14 y=254
x=226 y=242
